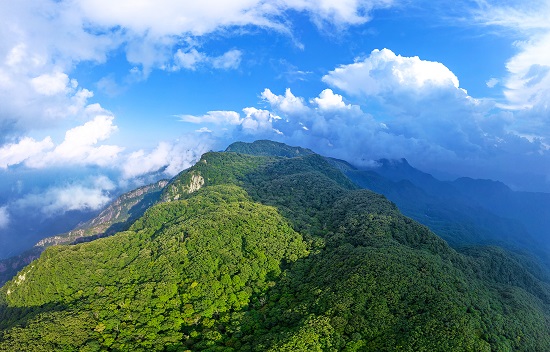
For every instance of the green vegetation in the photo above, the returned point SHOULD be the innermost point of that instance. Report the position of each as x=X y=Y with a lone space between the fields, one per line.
x=272 y=253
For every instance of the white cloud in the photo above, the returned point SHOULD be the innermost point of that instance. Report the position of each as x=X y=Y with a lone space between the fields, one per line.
x=229 y=60
x=80 y=146
x=216 y=117
x=383 y=72
x=51 y=84
x=527 y=84
x=191 y=59
x=188 y=60
x=172 y=17
x=288 y=103
x=16 y=153
x=492 y=82
x=258 y=120
x=172 y=157
x=420 y=100
x=327 y=100
x=338 y=12
x=4 y=217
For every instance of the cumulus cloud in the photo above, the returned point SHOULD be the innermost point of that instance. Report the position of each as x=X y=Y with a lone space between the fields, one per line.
x=327 y=100
x=4 y=217
x=288 y=103
x=258 y=120
x=420 y=101
x=383 y=73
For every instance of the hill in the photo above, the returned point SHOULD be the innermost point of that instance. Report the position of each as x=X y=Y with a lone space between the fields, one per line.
x=273 y=253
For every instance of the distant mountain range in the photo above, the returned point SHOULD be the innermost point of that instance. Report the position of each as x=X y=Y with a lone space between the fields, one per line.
x=268 y=247
x=465 y=211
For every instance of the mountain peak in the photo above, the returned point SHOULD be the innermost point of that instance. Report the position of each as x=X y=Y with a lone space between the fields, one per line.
x=268 y=148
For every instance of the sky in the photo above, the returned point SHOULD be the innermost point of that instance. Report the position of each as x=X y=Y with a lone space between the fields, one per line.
x=97 y=97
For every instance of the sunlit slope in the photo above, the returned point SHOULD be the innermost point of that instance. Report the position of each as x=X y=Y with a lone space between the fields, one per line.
x=256 y=253
x=183 y=268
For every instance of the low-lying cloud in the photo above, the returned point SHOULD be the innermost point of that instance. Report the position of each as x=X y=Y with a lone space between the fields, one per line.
x=171 y=158
x=90 y=194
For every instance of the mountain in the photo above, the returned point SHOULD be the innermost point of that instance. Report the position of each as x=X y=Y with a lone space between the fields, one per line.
x=532 y=209
x=465 y=211
x=265 y=252
x=114 y=218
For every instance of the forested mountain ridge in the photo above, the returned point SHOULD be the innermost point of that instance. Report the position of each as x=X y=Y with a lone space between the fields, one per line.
x=273 y=253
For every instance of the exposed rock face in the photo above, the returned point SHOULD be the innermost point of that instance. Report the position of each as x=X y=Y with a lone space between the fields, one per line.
x=192 y=182
x=197 y=181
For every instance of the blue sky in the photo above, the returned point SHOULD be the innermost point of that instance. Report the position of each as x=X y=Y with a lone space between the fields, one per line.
x=97 y=96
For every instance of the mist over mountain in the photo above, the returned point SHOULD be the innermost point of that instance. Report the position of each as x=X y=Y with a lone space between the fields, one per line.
x=271 y=247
